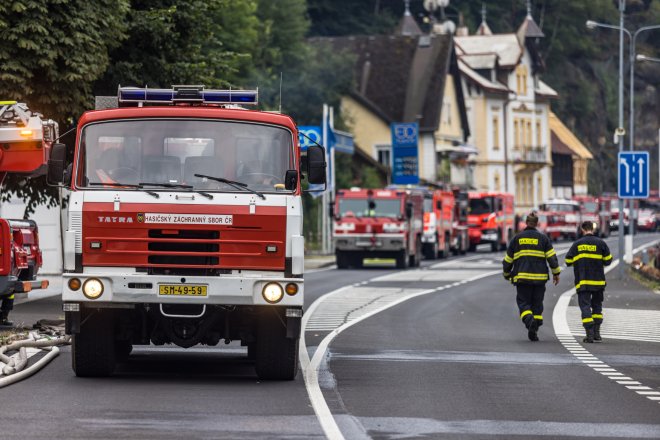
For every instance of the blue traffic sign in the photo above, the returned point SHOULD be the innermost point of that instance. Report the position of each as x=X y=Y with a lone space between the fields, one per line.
x=405 y=160
x=634 y=181
x=313 y=133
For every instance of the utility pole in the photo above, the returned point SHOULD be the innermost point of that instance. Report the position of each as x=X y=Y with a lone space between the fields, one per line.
x=622 y=8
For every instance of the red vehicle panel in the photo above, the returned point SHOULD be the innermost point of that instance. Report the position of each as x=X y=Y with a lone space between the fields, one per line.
x=597 y=210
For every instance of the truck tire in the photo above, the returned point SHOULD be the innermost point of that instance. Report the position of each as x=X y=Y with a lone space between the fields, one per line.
x=402 y=259
x=93 y=351
x=357 y=260
x=342 y=260
x=430 y=250
x=276 y=356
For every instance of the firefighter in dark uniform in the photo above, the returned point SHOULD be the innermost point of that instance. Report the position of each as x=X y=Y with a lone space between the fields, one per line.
x=6 y=306
x=526 y=265
x=589 y=255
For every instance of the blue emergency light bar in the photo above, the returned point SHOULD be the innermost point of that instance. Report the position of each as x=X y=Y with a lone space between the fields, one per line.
x=187 y=94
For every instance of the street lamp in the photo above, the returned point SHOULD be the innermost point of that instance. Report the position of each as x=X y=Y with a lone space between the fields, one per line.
x=641 y=57
x=590 y=24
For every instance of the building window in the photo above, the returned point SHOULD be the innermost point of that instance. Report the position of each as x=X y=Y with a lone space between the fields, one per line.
x=539 y=189
x=384 y=155
x=521 y=79
x=528 y=133
x=496 y=133
x=539 y=137
x=516 y=134
x=497 y=181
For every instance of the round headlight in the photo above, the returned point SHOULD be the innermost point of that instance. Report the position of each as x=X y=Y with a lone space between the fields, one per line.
x=291 y=289
x=93 y=288
x=74 y=284
x=272 y=293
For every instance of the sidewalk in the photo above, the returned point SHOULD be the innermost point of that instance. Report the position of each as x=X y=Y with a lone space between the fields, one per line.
x=318 y=261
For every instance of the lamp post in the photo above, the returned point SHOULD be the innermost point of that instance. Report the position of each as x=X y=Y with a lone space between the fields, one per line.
x=633 y=40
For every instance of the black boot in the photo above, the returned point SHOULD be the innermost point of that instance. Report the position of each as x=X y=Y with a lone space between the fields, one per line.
x=532 y=329
x=4 y=320
x=597 y=337
x=590 y=334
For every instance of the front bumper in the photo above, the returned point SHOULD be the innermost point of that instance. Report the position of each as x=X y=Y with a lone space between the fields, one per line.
x=370 y=242
x=138 y=288
x=11 y=284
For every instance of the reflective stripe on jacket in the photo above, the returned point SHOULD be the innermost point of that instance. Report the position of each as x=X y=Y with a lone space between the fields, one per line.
x=527 y=258
x=589 y=255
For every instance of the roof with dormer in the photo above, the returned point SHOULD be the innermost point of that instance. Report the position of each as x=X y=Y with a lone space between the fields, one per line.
x=506 y=47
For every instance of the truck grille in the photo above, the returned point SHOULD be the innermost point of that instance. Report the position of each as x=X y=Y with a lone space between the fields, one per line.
x=182 y=240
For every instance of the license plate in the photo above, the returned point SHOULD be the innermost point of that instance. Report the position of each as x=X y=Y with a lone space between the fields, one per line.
x=182 y=290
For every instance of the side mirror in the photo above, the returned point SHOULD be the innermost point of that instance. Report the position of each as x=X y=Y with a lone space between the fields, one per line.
x=316 y=165
x=409 y=209
x=331 y=209
x=56 y=164
x=291 y=180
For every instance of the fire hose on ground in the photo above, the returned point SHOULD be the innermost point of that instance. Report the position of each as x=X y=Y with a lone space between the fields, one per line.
x=48 y=336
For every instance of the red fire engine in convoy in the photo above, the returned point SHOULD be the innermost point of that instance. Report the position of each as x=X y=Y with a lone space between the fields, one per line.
x=378 y=223
x=25 y=140
x=491 y=219
x=565 y=216
x=443 y=231
x=597 y=210
x=185 y=227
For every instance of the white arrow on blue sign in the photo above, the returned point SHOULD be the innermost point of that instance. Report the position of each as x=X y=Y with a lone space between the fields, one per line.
x=634 y=176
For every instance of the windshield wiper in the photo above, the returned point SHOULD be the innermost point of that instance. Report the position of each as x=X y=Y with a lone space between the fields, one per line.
x=175 y=185
x=124 y=185
x=232 y=183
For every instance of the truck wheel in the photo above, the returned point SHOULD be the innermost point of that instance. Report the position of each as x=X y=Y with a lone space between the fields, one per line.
x=402 y=259
x=472 y=248
x=252 y=351
x=123 y=350
x=342 y=260
x=276 y=355
x=357 y=261
x=93 y=352
x=430 y=251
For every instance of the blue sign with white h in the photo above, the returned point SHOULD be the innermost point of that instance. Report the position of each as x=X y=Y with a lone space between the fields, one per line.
x=634 y=176
x=405 y=169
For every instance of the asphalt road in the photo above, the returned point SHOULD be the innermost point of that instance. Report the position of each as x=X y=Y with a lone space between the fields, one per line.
x=452 y=361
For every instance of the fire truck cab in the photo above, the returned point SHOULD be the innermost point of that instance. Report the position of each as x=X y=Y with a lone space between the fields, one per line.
x=597 y=210
x=378 y=223
x=185 y=227
x=566 y=216
x=25 y=145
x=491 y=219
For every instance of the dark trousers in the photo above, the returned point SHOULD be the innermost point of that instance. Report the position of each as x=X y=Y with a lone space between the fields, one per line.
x=530 y=302
x=6 y=305
x=591 y=306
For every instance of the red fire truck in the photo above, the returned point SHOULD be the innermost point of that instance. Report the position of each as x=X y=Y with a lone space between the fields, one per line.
x=378 y=223
x=26 y=141
x=185 y=227
x=491 y=219
x=443 y=230
x=566 y=217
x=597 y=210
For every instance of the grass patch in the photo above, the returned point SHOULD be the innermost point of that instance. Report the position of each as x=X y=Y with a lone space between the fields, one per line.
x=643 y=280
x=9 y=336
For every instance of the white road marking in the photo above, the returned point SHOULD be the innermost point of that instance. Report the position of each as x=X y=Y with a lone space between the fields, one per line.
x=377 y=300
x=565 y=334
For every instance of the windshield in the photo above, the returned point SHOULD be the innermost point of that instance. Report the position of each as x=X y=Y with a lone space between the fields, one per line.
x=481 y=206
x=173 y=151
x=428 y=205
x=560 y=207
x=590 y=206
x=390 y=208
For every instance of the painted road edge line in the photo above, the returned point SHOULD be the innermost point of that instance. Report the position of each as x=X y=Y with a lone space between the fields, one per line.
x=310 y=367
x=566 y=338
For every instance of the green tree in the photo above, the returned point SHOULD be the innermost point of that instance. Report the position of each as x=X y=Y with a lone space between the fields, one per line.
x=52 y=51
x=184 y=42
